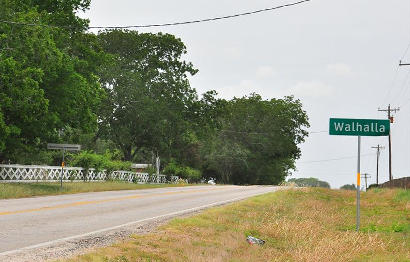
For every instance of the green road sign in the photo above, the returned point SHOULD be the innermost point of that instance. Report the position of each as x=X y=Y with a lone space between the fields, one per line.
x=359 y=127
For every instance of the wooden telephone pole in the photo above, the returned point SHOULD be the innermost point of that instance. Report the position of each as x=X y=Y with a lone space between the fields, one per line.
x=378 y=147
x=389 y=110
x=366 y=176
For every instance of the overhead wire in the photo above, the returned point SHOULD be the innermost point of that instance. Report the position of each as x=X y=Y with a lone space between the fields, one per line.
x=403 y=90
x=405 y=52
x=203 y=20
x=394 y=82
x=406 y=102
x=369 y=164
x=259 y=133
x=32 y=24
x=324 y=172
x=332 y=159
x=196 y=21
x=318 y=132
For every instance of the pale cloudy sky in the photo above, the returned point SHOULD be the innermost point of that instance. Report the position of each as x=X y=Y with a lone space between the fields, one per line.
x=340 y=57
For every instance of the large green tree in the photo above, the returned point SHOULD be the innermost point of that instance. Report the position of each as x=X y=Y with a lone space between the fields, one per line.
x=48 y=81
x=258 y=141
x=59 y=83
x=149 y=98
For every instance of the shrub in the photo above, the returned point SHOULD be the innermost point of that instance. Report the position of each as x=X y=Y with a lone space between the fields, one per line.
x=185 y=172
x=151 y=171
x=193 y=175
x=88 y=159
x=172 y=169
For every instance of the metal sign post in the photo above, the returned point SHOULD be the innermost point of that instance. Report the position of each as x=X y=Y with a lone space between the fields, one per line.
x=359 y=128
x=358 y=185
x=64 y=148
x=62 y=170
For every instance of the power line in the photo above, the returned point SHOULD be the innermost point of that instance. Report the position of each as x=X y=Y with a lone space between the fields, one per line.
x=406 y=102
x=318 y=132
x=246 y=133
x=323 y=160
x=30 y=24
x=405 y=52
x=324 y=172
x=400 y=95
x=393 y=84
x=332 y=159
x=259 y=133
x=202 y=20
x=403 y=88
x=173 y=23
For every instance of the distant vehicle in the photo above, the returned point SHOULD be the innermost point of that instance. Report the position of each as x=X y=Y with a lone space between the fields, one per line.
x=211 y=182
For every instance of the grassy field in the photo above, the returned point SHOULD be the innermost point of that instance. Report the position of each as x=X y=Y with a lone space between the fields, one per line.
x=297 y=225
x=20 y=190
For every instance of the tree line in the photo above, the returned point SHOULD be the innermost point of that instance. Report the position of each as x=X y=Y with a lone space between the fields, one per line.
x=126 y=96
x=309 y=182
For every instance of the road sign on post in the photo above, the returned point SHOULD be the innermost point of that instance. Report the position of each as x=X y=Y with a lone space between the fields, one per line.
x=67 y=147
x=63 y=147
x=359 y=128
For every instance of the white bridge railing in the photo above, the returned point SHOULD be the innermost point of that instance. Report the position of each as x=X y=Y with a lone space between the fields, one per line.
x=29 y=173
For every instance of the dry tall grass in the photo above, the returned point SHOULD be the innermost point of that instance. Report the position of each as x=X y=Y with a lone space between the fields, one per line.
x=297 y=225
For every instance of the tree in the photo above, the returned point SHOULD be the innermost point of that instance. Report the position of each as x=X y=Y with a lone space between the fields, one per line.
x=48 y=80
x=348 y=187
x=309 y=182
x=228 y=159
x=130 y=91
x=149 y=96
x=258 y=140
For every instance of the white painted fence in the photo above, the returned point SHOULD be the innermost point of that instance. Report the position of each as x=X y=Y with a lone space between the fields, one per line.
x=29 y=173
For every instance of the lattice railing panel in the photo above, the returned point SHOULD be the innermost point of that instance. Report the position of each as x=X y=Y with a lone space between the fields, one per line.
x=23 y=173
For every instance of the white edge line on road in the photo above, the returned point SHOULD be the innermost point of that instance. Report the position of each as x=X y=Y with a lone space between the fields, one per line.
x=49 y=243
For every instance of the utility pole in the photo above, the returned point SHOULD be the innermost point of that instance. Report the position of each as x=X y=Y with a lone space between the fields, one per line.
x=404 y=64
x=366 y=176
x=378 y=147
x=389 y=110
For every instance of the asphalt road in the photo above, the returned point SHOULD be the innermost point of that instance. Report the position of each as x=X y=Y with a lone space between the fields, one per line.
x=35 y=222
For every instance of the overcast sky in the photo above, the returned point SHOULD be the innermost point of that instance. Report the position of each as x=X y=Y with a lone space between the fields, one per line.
x=339 y=57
